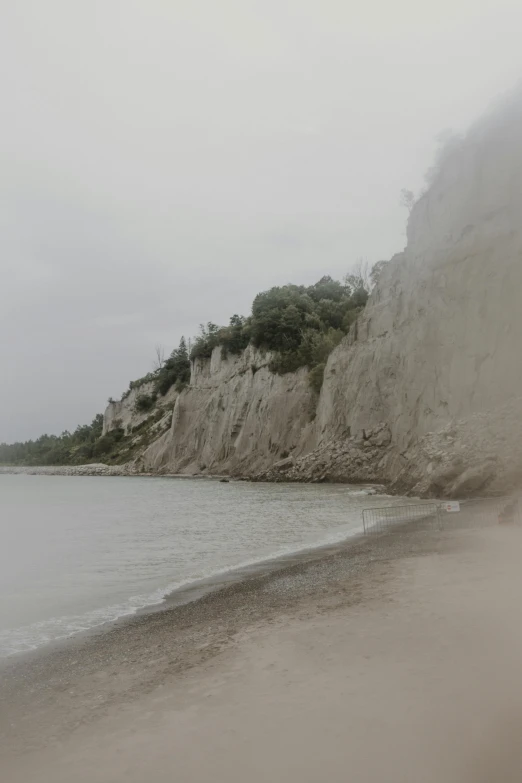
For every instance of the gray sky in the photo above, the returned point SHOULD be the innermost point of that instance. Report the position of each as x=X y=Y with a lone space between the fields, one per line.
x=163 y=161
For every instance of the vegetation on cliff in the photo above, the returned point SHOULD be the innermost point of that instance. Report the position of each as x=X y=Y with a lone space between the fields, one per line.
x=299 y=325
x=175 y=371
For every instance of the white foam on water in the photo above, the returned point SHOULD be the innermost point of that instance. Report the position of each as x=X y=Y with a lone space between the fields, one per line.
x=35 y=635
x=77 y=553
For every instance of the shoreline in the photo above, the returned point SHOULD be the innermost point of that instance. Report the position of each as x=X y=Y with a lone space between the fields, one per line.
x=129 y=471
x=196 y=589
x=395 y=656
x=95 y=469
x=137 y=653
x=182 y=585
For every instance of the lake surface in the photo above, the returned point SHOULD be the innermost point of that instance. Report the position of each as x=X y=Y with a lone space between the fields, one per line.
x=76 y=552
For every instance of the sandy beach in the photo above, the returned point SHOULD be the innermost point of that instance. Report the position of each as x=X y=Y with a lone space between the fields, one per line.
x=395 y=658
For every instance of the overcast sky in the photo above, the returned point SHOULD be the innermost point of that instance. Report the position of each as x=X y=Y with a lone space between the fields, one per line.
x=163 y=161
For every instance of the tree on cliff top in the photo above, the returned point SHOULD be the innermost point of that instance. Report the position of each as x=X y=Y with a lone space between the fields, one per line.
x=175 y=370
x=299 y=325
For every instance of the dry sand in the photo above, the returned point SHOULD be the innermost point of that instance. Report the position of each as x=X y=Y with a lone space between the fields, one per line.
x=393 y=659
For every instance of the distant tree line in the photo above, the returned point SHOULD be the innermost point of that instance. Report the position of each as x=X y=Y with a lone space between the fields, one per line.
x=68 y=448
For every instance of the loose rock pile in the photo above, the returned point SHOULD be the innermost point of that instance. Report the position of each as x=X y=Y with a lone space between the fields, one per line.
x=356 y=459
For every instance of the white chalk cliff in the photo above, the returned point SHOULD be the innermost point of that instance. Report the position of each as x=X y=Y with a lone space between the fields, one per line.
x=235 y=417
x=438 y=351
x=426 y=391
x=123 y=413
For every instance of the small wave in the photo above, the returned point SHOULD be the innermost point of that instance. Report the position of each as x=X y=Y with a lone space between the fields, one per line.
x=31 y=637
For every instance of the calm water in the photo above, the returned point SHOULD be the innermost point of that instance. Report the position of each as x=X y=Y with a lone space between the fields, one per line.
x=77 y=552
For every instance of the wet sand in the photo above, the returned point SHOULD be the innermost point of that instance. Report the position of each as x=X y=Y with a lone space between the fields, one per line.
x=391 y=658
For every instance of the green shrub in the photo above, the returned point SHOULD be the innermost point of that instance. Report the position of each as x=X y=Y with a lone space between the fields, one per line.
x=151 y=376
x=285 y=361
x=144 y=402
x=84 y=453
x=205 y=342
x=301 y=326
x=176 y=370
x=233 y=338
x=164 y=382
x=316 y=377
x=314 y=350
x=108 y=442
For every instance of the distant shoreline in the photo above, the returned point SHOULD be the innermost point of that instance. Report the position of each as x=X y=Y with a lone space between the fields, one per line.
x=100 y=469
x=95 y=469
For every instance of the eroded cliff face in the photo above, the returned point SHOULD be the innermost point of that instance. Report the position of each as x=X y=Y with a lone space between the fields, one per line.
x=236 y=417
x=123 y=413
x=426 y=391
x=436 y=357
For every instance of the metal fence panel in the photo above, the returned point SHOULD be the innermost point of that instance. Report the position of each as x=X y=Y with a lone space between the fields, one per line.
x=476 y=512
x=377 y=520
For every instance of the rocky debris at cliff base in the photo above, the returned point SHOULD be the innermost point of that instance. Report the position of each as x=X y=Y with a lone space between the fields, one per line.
x=479 y=454
x=355 y=459
x=450 y=463
x=284 y=464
